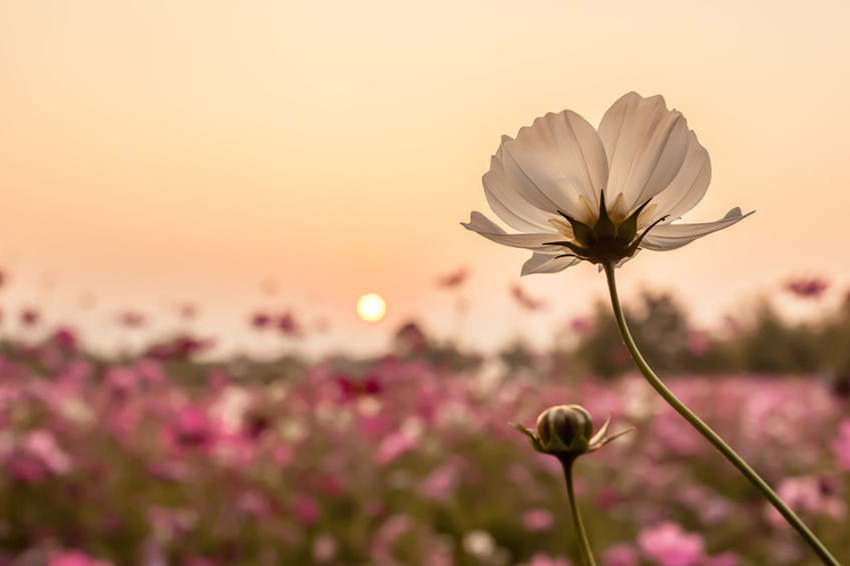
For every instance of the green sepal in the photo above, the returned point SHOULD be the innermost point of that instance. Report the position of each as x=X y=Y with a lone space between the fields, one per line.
x=605 y=229
x=582 y=232
x=580 y=251
x=633 y=248
x=627 y=231
x=535 y=442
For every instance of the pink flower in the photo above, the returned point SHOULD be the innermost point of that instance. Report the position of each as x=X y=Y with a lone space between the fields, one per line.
x=541 y=559
x=668 y=545
x=841 y=445
x=307 y=510
x=727 y=558
x=537 y=520
x=192 y=429
x=37 y=457
x=440 y=484
x=393 y=446
x=620 y=554
x=807 y=287
x=810 y=494
x=73 y=558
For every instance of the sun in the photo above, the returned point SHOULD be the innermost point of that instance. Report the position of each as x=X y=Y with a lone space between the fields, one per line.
x=371 y=307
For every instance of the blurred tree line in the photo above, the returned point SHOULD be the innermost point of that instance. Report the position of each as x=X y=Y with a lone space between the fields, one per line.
x=765 y=343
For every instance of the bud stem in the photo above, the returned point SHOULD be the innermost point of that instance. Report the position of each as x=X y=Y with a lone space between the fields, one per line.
x=706 y=431
x=583 y=544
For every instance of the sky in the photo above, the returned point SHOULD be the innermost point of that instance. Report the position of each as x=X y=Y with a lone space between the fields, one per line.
x=156 y=153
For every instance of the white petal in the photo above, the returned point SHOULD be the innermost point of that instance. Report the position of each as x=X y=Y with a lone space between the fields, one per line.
x=492 y=231
x=672 y=236
x=518 y=208
x=555 y=161
x=545 y=263
x=687 y=188
x=646 y=146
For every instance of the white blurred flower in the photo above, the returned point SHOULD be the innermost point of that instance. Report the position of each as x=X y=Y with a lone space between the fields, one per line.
x=478 y=543
x=576 y=193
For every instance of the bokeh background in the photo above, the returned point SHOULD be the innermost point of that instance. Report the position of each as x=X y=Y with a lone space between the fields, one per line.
x=195 y=194
x=162 y=152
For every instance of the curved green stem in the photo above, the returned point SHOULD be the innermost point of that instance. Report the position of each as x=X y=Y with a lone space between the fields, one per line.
x=709 y=434
x=583 y=544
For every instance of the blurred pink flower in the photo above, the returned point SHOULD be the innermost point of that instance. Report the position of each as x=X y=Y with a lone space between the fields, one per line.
x=65 y=338
x=261 y=320
x=807 y=287
x=841 y=445
x=73 y=558
x=288 y=325
x=440 y=484
x=192 y=428
x=543 y=559
x=307 y=510
x=620 y=554
x=30 y=317
x=537 y=520
x=393 y=446
x=698 y=343
x=810 y=494
x=582 y=325
x=668 y=545
x=727 y=558
x=37 y=457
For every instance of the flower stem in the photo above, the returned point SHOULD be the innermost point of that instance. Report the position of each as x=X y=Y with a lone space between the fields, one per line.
x=583 y=544
x=706 y=431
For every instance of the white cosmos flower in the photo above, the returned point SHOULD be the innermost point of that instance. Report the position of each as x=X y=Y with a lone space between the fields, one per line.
x=576 y=193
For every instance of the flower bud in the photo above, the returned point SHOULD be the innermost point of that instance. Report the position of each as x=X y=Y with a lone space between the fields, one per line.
x=565 y=428
x=566 y=432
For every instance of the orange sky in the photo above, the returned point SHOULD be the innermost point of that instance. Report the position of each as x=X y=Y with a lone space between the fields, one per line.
x=155 y=152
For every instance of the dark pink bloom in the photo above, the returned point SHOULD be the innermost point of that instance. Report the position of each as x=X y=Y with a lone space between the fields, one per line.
x=807 y=287
x=307 y=510
x=30 y=317
x=65 y=338
x=192 y=429
x=288 y=326
x=261 y=320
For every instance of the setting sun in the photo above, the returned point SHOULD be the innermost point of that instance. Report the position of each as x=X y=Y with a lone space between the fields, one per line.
x=371 y=307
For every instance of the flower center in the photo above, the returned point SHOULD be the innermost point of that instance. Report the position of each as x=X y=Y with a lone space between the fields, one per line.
x=606 y=241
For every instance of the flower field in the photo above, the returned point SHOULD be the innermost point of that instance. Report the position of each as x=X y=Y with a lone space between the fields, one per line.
x=402 y=460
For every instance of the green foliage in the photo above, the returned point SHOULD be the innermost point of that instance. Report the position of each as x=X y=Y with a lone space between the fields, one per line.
x=767 y=344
